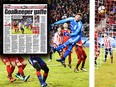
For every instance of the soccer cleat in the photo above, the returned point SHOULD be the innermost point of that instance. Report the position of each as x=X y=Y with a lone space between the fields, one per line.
x=83 y=69
x=63 y=63
x=26 y=78
x=70 y=65
x=12 y=80
x=43 y=84
x=18 y=76
x=60 y=60
x=76 y=70
x=105 y=60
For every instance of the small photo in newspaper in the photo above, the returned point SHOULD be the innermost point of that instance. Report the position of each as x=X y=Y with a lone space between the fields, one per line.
x=23 y=25
x=25 y=28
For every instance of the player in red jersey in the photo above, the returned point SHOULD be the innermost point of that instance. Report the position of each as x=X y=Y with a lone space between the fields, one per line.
x=97 y=46
x=108 y=47
x=15 y=26
x=15 y=62
x=23 y=65
x=8 y=64
x=65 y=36
x=81 y=56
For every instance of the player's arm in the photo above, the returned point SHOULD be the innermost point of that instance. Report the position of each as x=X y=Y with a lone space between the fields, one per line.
x=64 y=20
x=85 y=41
x=77 y=30
x=79 y=44
x=55 y=40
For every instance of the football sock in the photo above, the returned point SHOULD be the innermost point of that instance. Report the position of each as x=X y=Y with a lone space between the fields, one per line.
x=50 y=55
x=12 y=69
x=20 y=70
x=23 y=66
x=69 y=59
x=45 y=76
x=78 y=63
x=83 y=63
x=39 y=77
x=8 y=70
x=105 y=56
x=66 y=53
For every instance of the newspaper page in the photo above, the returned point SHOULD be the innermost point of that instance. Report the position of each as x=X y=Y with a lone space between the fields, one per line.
x=25 y=28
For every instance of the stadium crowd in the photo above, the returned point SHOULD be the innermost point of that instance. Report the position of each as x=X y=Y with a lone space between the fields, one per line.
x=61 y=9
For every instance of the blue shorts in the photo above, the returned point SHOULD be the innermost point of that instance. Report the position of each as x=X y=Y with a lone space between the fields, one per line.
x=38 y=60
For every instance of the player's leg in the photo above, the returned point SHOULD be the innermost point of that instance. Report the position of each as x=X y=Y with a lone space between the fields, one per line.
x=69 y=57
x=44 y=67
x=97 y=51
x=23 y=62
x=79 y=61
x=69 y=60
x=8 y=69
x=22 y=30
x=77 y=50
x=111 y=55
x=106 y=53
x=36 y=65
x=83 y=61
x=50 y=54
x=31 y=26
x=21 y=72
x=66 y=54
x=46 y=71
x=68 y=42
x=12 y=68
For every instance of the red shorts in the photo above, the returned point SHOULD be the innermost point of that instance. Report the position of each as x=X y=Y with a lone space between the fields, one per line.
x=16 y=27
x=5 y=60
x=21 y=59
x=80 y=53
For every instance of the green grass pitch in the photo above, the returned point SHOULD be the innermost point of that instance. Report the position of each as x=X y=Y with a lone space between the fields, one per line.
x=58 y=75
x=26 y=31
x=105 y=74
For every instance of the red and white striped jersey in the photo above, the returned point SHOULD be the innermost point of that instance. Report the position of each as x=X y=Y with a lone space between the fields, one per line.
x=57 y=38
x=107 y=43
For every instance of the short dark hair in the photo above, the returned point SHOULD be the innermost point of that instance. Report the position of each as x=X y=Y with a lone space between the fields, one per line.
x=80 y=14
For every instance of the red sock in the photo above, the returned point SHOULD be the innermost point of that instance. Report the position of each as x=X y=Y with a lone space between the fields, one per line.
x=45 y=74
x=20 y=70
x=38 y=73
x=23 y=66
x=12 y=69
x=69 y=58
x=79 y=61
x=8 y=70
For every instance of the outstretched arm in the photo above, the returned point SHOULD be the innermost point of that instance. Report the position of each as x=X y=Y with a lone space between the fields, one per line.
x=77 y=30
x=64 y=20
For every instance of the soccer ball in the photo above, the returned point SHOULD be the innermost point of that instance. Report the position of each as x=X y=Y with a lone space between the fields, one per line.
x=102 y=10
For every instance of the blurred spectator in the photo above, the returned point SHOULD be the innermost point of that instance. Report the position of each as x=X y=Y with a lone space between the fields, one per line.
x=61 y=9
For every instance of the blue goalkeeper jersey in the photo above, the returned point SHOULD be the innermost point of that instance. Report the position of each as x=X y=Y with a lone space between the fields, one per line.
x=75 y=26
